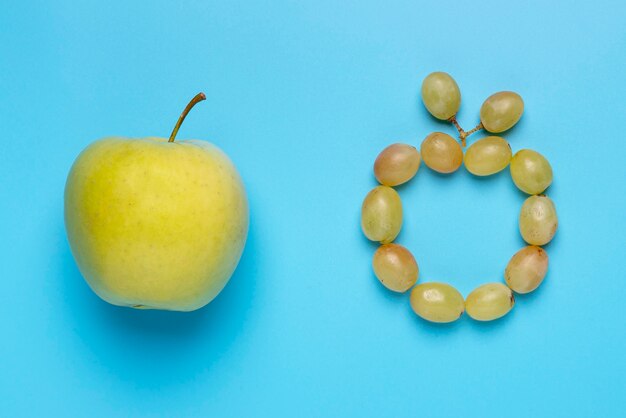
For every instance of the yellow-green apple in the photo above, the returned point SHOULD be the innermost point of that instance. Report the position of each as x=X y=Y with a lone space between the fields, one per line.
x=156 y=223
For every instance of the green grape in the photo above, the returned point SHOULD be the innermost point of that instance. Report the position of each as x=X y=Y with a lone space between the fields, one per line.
x=526 y=269
x=381 y=214
x=395 y=267
x=397 y=164
x=489 y=301
x=487 y=156
x=441 y=95
x=437 y=302
x=530 y=171
x=501 y=111
x=537 y=220
x=442 y=153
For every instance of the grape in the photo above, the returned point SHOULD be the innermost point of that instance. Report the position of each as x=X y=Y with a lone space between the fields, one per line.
x=530 y=171
x=501 y=111
x=437 y=302
x=381 y=214
x=442 y=153
x=526 y=269
x=441 y=95
x=489 y=301
x=537 y=220
x=397 y=164
x=395 y=267
x=487 y=156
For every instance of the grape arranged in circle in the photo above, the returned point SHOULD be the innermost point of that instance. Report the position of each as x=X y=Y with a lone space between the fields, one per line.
x=441 y=95
x=397 y=164
x=487 y=156
x=489 y=301
x=395 y=267
x=381 y=213
x=530 y=171
x=501 y=111
x=442 y=153
x=537 y=220
x=437 y=302
x=526 y=269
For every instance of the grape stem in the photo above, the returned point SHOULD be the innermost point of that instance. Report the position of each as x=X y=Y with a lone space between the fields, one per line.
x=462 y=133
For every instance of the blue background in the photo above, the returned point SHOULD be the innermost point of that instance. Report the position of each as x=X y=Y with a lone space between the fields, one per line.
x=303 y=95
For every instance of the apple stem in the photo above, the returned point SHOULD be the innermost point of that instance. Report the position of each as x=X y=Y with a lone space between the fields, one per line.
x=196 y=99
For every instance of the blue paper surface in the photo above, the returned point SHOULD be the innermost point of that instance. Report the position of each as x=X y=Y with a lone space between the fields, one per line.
x=302 y=95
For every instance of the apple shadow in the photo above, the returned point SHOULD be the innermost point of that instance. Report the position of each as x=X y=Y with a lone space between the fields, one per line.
x=151 y=348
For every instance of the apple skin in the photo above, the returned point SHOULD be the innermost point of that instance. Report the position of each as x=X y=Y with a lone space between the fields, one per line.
x=155 y=224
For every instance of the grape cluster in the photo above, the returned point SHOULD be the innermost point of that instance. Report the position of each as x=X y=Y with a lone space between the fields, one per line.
x=381 y=212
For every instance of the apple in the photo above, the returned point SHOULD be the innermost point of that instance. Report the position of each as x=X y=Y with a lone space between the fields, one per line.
x=155 y=223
